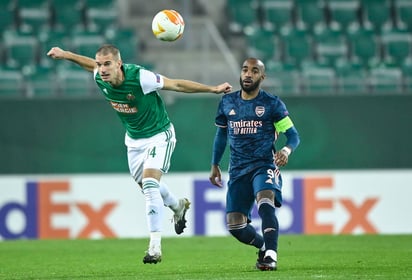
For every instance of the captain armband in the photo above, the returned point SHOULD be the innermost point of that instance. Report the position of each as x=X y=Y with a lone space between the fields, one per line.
x=283 y=125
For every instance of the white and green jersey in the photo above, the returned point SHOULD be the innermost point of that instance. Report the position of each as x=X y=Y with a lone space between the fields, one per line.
x=137 y=102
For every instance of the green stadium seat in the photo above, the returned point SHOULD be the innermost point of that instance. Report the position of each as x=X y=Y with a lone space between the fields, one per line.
x=21 y=50
x=11 y=83
x=351 y=78
x=34 y=15
x=397 y=46
x=330 y=45
x=32 y=3
x=68 y=15
x=242 y=15
x=376 y=14
x=407 y=75
x=277 y=14
x=282 y=79
x=87 y=44
x=318 y=80
x=74 y=82
x=127 y=41
x=310 y=14
x=386 y=80
x=100 y=4
x=364 y=46
x=41 y=82
x=262 y=44
x=101 y=14
x=8 y=18
x=344 y=13
x=52 y=38
x=403 y=14
x=7 y=4
x=101 y=21
x=297 y=46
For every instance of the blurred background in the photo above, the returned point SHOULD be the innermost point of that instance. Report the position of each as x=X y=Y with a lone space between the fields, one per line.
x=343 y=68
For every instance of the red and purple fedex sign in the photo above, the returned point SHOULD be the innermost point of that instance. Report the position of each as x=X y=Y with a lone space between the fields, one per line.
x=303 y=207
x=39 y=209
x=99 y=206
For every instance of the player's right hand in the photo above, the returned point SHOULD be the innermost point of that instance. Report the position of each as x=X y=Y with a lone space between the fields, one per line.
x=56 y=53
x=216 y=176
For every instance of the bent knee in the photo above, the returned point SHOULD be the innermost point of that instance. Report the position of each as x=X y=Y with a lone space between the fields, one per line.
x=234 y=219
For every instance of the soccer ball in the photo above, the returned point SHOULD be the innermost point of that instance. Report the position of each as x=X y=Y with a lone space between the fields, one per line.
x=168 y=25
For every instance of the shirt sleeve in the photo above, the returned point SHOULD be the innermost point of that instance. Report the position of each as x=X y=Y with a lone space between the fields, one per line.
x=150 y=81
x=221 y=120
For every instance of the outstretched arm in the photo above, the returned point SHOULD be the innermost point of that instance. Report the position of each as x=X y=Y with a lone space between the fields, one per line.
x=86 y=62
x=192 y=87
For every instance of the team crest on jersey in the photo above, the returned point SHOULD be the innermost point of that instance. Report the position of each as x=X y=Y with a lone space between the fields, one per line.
x=260 y=111
x=130 y=97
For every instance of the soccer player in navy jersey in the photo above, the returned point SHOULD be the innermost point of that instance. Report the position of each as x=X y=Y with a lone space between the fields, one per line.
x=252 y=119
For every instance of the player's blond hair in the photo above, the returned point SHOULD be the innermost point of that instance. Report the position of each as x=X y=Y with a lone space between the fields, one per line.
x=109 y=49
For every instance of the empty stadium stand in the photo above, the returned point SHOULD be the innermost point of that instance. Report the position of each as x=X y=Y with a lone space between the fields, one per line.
x=310 y=47
x=29 y=28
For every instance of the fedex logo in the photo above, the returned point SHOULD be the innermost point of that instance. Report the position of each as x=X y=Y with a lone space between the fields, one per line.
x=40 y=211
x=304 y=208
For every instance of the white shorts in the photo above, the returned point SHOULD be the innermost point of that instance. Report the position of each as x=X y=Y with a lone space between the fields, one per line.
x=150 y=153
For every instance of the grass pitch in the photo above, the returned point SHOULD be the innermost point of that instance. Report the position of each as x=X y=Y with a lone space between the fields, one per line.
x=300 y=257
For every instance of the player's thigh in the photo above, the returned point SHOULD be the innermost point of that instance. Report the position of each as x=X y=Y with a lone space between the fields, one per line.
x=267 y=183
x=240 y=197
x=135 y=159
x=159 y=150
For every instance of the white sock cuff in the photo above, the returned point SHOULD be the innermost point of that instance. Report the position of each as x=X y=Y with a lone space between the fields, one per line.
x=150 y=183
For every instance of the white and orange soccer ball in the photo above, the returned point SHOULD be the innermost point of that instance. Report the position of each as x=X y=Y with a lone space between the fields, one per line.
x=168 y=25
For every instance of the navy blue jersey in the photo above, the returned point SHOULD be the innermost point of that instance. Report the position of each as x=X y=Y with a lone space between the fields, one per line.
x=251 y=130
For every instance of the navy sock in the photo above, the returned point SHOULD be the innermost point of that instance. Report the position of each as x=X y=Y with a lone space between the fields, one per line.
x=248 y=235
x=270 y=226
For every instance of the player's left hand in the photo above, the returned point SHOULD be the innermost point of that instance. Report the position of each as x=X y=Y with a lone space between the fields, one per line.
x=281 y=158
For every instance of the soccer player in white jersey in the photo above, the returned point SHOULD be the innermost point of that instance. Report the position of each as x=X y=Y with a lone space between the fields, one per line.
x=150 y=137
x=251 y=119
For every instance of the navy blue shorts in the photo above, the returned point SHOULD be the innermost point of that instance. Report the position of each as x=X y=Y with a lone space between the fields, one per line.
x=241 y=193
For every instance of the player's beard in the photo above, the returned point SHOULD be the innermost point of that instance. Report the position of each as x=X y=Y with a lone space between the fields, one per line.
x=248 y=89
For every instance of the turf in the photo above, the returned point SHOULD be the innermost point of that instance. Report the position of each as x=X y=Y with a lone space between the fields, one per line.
x=300 y=257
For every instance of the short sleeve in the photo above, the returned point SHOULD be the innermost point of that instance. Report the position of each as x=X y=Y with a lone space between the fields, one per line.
x=150 y=81
x=221 y=119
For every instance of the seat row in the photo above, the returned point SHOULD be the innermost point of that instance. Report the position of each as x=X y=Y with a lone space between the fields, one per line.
x=69 y=80
x=274 y=14
x=328 y=45
x=38 y=81
x=37 y=15
x=19 y=49
x=346 y=78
